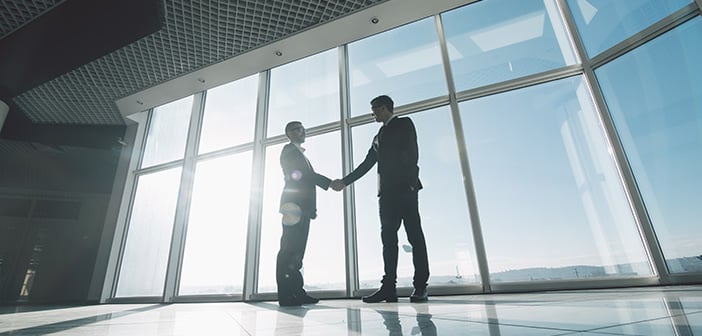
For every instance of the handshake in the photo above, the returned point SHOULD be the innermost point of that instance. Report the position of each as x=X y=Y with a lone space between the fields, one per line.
x=337 y=185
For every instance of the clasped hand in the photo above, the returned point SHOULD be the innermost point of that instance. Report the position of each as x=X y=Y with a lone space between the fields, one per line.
x=337 y=185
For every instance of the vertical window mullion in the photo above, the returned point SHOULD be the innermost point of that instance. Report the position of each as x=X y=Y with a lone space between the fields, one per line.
x=256 y=200
x=350 y=239
x=465 y=166
x=180 y=226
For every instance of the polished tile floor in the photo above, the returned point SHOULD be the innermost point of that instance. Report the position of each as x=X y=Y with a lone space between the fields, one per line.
x=633 y=311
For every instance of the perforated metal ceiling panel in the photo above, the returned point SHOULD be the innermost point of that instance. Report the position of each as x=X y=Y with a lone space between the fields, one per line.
x=15 y=13
x=196 y=34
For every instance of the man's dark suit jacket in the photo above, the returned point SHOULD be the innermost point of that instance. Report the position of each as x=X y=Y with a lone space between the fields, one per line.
x=394 y=148
x=300 y=181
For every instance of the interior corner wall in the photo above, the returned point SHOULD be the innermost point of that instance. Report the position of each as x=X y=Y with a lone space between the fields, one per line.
x=4 y=109
x=69 y=189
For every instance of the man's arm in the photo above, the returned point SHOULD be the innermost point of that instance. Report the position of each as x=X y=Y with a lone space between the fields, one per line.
x=322 y=181
x=363 y=168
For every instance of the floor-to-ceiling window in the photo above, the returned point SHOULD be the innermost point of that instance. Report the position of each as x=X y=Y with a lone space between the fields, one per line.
x=546 y=182
x=307 y=91
x=655 y=96
x=405 y=64
x=147 y=243
x=215 y=241
x=520 y=107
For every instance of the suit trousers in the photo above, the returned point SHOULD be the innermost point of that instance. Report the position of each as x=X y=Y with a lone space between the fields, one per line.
x=289 y=261
x=396 y=209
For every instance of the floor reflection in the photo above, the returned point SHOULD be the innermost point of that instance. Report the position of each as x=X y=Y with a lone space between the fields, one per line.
x=674 y=310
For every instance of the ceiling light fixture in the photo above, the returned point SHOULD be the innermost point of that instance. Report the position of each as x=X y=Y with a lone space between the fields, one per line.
x=278 y=53
x=374 y=20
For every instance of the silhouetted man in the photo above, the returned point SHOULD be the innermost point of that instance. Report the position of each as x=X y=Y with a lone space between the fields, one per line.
x=395 y=150
x=298 y=204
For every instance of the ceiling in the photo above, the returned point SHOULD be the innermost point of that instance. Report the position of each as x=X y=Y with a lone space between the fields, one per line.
x=86 y=77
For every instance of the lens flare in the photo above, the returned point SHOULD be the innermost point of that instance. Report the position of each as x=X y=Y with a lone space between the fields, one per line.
x=296 y=175
x=291 y=213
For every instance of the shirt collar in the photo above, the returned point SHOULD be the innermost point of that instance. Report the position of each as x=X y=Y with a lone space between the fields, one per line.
x=299 y=147
x=388 y=121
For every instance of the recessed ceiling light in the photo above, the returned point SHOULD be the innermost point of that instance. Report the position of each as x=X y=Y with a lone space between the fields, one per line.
x=374 y=20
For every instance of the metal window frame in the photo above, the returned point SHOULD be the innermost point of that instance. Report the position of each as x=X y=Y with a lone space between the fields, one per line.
x=469 y=189
x=253 y=241
x=114 y=263
x=350 y=230
x=182 y=214
x=585 y=67
x=645 y=226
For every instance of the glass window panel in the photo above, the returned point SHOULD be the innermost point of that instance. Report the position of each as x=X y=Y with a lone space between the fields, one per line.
x=654 y=94
x=324 y=263
x=404 y=63
x=369 y=246
x=215 y=244
x=498 y=40
x=168 y=130
x=306 y=90
x=442 y=203
x=604 y=23
x=146 y=250
x=230 y=113
x=271 y=229
x=551 y=204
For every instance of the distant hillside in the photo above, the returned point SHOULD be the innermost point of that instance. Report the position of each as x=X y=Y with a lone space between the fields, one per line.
x=679 y=265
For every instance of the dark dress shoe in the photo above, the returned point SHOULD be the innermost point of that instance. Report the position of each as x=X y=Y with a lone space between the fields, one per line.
x=419 y=295
x=382 y=294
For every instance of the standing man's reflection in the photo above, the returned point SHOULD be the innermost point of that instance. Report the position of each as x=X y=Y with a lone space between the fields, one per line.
x=391 y=320
x=425 y=326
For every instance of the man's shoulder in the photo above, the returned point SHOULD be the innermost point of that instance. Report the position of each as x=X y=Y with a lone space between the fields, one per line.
x=401 y=123
x=403 y=120
x=289 y=149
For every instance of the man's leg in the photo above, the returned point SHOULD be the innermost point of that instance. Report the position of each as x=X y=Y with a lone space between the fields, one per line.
x=415 y=236
x=298 y=283
x=390 y=221
x=289 y=261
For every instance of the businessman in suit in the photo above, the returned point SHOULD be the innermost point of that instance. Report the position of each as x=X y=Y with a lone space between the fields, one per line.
x=395 y=151
x=298 y=205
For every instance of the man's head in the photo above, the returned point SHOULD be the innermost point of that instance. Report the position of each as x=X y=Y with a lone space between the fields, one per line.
x=382 y=108
x=295 y=132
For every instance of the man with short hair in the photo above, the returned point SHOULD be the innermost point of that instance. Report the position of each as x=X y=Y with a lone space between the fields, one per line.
x=298 y=204
x=395 y=150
